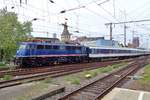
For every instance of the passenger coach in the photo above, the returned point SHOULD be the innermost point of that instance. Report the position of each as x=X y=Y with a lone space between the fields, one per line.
x=103 y=52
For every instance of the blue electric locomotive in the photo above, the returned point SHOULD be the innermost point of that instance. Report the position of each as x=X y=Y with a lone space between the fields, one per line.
x=41 y=53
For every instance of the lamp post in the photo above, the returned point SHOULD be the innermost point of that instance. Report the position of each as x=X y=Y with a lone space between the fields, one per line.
x=30 y=36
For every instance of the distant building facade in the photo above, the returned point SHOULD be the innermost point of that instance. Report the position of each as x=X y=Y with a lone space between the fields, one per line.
x=84 y=38
x=54 y=35
x=65 y=36
x=98 y=41
x=130 y=45
x=44 y=39
x=136 y=42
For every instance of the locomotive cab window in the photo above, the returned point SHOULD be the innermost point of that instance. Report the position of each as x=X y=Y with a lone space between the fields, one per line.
x=22 y=46
x=31 y=46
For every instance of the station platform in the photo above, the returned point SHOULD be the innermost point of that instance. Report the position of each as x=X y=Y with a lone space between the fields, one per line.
x=127 y=94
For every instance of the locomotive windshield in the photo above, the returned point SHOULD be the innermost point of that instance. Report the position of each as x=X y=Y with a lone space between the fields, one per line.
x=22 y=46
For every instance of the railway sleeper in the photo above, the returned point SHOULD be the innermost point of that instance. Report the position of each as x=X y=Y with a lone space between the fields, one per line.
x=93 y=91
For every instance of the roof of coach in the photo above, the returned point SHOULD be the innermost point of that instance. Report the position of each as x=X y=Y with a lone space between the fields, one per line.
x=43 y=43
x=114 y=48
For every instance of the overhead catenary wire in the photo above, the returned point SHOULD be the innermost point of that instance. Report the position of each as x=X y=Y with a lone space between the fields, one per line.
x=30 y=16
x=114 y=8
x=136 y=21
x=139 y=7
x=109 y=13
x=79 y=7
x=25 y=16
x=98 y=14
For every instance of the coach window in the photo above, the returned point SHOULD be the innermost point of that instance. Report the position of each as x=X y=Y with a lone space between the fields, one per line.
x=40 y=46
x=92 y=51
x=95 y=51
x=110 y=51
x=104 y=51
x=113 y=51
x=116 y=51
x=129 y=51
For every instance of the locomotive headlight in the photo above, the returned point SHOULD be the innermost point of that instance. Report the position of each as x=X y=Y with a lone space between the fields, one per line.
x=17 y=51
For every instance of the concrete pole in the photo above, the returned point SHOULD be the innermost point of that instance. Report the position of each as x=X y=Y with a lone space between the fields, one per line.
x=125 y=27
x=110 y=31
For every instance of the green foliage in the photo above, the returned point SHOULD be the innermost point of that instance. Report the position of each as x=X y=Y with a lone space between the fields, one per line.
x=121 y=45
x=7 y=77
x=110 y=68
x=146 y=75
x=118 y=65
x=11 y=32
x=106 y=69
x=3 y=67
x=22 y=98
x=2 y=64
x=48 y=80
x=86 y=72
x=93 y=73
x=73 y=80
x=90 y=74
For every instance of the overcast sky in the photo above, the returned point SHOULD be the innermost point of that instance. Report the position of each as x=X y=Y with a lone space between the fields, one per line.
x=89 y=21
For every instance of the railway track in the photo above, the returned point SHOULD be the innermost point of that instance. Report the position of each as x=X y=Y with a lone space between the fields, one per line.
x=100 y=87
x=31 y=71
x=54 y=72
x=3 y=69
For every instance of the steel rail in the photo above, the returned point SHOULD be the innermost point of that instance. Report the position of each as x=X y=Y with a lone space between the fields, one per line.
x=124 y=72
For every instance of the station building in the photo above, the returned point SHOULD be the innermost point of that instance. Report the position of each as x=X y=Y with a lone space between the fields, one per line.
x=99 y=41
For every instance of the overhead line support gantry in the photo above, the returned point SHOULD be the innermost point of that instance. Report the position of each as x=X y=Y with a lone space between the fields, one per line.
x=125 y=27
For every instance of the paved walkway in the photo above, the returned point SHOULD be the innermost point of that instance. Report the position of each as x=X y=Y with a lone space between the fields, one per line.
x=126 y=94
x=22 y=92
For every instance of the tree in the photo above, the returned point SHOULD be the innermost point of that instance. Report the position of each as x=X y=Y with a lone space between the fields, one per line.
x=11 y=33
